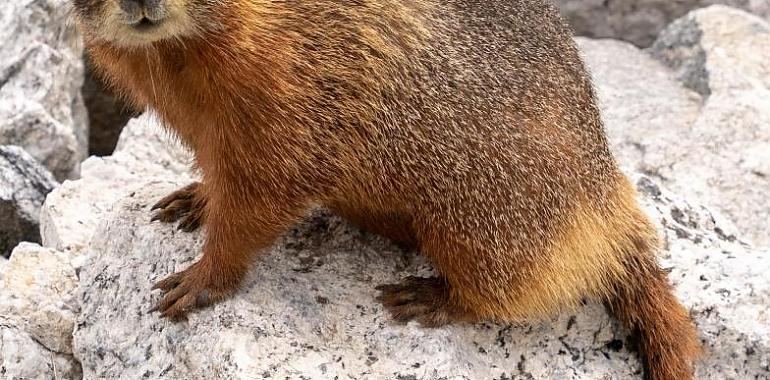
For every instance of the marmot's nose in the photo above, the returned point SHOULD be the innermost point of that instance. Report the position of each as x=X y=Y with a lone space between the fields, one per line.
x=132 y=6
x=152 y=9
x=139 y=4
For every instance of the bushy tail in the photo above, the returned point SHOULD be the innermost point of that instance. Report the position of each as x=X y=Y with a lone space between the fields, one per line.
x=644 y=302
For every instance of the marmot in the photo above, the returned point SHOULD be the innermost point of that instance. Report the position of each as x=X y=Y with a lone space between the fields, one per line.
x=468 y=130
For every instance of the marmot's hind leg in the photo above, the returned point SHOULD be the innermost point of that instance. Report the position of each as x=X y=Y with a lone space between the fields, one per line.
x=425 y=300
x=185 y=204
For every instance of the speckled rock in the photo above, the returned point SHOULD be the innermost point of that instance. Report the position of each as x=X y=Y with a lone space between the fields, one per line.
x=724 y=160
x=717 y=49
x=41 y=74
x=39 y=286
x=639 y=21
x=24 y=183
x=37 y=314
x=308 y=308
x=71 y=212
x=21 y=358
x=721 y=279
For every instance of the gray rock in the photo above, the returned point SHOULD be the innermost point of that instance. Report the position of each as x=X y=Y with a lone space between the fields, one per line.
x=717 y=49
x=38 y=287
x=720 y=279
x=21 y=358
x=724 y=159
x=639 y=21
x=37 y=313
x=41 y=74
x=72 y=212
x=24 y=183
x=308 y=309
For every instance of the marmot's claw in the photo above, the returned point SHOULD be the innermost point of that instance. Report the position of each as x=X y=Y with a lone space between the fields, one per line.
x=190 y=221
x=185 y=204
x=185 y=291
x=186 y=192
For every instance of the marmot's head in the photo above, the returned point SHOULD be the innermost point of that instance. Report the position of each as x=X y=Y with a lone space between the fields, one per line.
x=133 y=23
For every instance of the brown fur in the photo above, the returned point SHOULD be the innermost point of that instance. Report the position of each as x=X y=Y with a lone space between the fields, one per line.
x=466 y=129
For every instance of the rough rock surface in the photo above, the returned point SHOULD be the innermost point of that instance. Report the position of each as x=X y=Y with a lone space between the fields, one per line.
x=24 y=183
x=37 y=314
x=639 y=21
x=326 y=322
x=21 y=358
x=41 y=74
x=308 y=309
x=39 y=283
x=724 y=54
x=71 y=212
x=718 y=49
x=646 y=111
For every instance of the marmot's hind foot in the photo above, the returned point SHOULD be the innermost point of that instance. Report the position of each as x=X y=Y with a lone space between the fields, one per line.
x=425 y=300
x=185 y=204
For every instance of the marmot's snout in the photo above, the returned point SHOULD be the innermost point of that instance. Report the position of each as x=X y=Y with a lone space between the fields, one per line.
x=143 y=14
x=135 y=22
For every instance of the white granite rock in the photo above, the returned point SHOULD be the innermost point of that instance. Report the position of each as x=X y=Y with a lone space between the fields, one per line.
x=38 y=286
x=717 y=50
x=37 y=314
x=639 y=21
x=71 y=212
x=41 y=74
x=724 y=54
x=721 y=279
x=24 y=183
x=21 y=358
x=308 y=309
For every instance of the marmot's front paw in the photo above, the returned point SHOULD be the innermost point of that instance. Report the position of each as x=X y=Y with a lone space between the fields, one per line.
x=186 y=204
x=191 y=288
